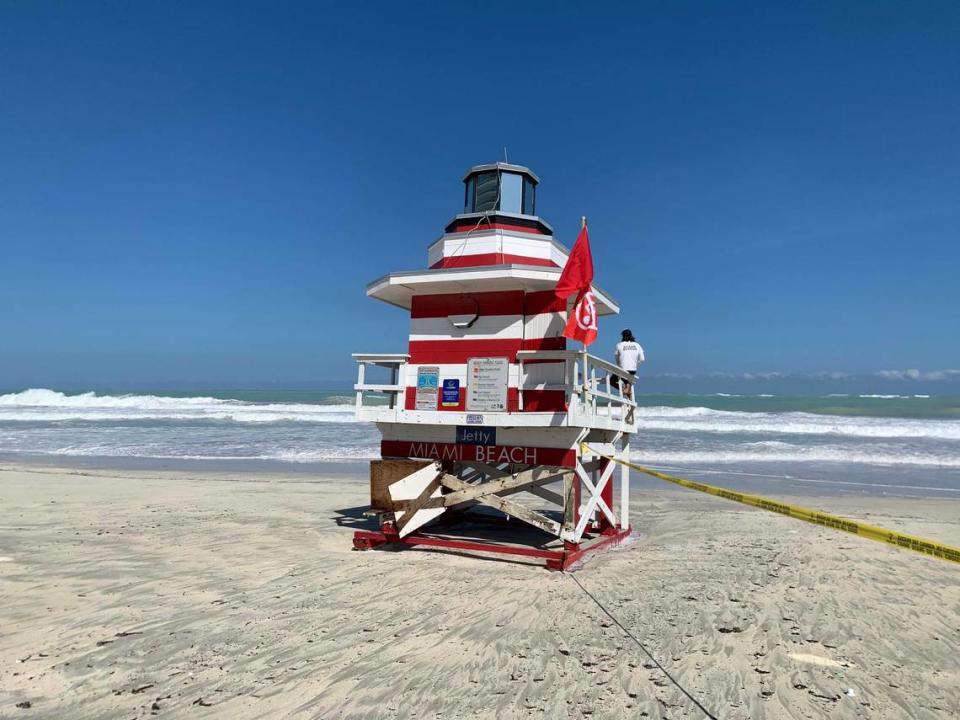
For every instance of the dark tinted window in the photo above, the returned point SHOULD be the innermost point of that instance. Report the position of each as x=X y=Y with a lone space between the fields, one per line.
x=469 y=199
x=486 y=192
x=529 y=198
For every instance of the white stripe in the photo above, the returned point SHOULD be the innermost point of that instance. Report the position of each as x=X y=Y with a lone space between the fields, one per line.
x=497 y=242
x=536 y=374
x=544 y=325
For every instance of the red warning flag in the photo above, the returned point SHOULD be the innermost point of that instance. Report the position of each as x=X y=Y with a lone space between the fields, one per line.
x=576 y=278
x=578 y=272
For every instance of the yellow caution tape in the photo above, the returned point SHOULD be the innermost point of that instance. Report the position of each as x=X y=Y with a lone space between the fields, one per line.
x=854 y=527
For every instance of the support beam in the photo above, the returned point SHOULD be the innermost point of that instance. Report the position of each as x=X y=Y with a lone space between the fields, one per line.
x=489 y=487
x=421 y=487
x=595 y=501
x=544 y=494
x=625 y=484
x=508 y=506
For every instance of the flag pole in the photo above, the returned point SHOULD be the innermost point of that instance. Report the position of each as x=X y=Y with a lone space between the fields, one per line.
x=583 y=349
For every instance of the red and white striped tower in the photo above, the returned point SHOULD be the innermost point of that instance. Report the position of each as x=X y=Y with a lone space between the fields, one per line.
x=488 y=401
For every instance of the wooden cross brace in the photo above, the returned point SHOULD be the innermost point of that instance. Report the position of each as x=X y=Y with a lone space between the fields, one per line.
x=595 y=501
x=483 y=493
x=422 y=501
x=488 y=493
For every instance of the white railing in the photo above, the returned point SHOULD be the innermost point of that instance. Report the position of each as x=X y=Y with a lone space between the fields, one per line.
x=396 y=364
x=588 y=392
x=588 y=383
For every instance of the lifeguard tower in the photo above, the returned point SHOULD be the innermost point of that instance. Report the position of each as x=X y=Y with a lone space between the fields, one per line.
x=489 y=408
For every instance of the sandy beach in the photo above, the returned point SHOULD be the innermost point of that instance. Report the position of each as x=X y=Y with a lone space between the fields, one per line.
x=162 y=594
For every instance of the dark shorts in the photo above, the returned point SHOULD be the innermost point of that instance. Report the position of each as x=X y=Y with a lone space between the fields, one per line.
x=615 y=379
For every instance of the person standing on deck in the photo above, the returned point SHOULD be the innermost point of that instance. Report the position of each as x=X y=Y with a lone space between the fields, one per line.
x=629 y=356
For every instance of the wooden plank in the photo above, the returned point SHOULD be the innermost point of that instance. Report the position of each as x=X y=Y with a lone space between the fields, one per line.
x=544 y=494
x=504 y=484
x=537 y=488
x=383 y=473
x=508 y=506
x=570 y=508
x=503 y=487
x=489 y=487
x=422 y=486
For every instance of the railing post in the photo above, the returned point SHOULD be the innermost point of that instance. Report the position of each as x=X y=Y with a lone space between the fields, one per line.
x=394 y=369
x=609 y=412
x=593 y=390
x=402 y=384
x=520 y=382
x=586 y=375
x=361 y=374
x=575 y=386
x=625 y=483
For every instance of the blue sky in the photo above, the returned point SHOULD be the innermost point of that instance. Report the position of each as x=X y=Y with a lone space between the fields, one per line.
x=195 y=192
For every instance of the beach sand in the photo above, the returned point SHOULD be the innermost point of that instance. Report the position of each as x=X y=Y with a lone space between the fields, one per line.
x=153 y=594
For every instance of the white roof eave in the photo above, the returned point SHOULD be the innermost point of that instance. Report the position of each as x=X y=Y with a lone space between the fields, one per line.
x=399 y=288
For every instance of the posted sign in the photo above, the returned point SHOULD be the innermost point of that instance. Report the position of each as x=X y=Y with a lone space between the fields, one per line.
x=451 y=393
x=428 y=385
x=487 y=380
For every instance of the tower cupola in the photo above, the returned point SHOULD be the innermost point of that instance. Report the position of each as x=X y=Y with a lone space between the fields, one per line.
x=500 y=187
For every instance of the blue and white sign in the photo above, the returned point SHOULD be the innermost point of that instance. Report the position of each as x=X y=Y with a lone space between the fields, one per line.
x=450 y=396
x=427 y=387
x=472 y=435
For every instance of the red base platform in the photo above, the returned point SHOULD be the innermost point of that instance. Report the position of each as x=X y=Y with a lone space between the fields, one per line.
x=555 y=559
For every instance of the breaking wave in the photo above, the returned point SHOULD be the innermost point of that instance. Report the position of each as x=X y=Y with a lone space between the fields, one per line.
x=701 y=419
x=785 y=453
x=42 y=405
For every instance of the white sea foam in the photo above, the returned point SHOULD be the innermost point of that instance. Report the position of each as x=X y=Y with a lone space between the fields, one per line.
x=795 y=454
x=700 y=419
x=42 y=405
x=294 y=456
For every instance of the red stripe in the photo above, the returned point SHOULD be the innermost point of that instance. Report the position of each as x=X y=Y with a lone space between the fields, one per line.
x=533 y=401
x=504 y=302
x=557 y=457
x=544 y=401
x=410 y=400
x=467 y=226
x=536 y=303
x=453 y=352
x=482 y=259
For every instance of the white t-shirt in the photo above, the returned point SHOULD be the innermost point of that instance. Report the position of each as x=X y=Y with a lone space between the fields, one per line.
x=629 y=355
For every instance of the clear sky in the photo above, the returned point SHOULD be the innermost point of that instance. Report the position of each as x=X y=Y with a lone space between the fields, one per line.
x=201 y=191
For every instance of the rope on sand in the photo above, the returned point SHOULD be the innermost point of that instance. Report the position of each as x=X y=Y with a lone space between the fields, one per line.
x=633 y=637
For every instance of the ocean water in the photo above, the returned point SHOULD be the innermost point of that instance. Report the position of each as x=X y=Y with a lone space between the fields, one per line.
x=907 y=445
